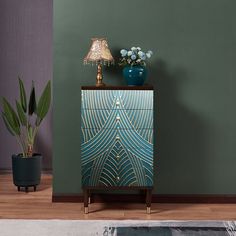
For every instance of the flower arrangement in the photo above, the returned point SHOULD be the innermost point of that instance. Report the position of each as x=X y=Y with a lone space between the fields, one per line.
x=134 y=57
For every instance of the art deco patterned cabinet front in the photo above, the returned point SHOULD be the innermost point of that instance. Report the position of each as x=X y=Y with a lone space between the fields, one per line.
x=117 y=139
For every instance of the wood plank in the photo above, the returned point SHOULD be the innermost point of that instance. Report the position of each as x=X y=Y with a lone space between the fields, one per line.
x=39 y=205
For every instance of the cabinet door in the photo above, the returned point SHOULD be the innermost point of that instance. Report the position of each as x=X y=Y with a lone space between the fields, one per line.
x=117 y=158
x=115 y=118
x=121 y=99
x=117 y=138
x=105 y=178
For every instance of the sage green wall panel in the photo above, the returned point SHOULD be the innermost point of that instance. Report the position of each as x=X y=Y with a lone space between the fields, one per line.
x=194 y=74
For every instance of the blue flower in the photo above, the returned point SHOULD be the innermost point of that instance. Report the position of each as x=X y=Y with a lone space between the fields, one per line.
x=149 y=54
x=129 y=53
x=143 y=57
x=133 y=57
x=140 y=53
x=123 y=52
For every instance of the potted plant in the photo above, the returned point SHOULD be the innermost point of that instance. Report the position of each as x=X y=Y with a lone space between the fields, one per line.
x=134 y=62
x=23 y=123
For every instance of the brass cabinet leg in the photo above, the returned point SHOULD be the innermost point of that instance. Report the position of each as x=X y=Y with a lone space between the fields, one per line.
x=86 y=210
x=89 y=196
x=148 y=200
x=148 y=210
x=86 y=200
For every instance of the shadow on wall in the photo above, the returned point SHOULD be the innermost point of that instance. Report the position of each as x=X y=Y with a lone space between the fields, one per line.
x=43 y=142
x=180 y=135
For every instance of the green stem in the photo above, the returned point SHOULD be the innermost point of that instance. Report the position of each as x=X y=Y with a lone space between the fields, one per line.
x=35 y=131
x=26 y=134
x=22 y=142
x=21 y=139
x=21 y=146
x=34 y=134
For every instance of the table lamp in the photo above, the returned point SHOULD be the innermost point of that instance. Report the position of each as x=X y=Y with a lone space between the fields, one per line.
x=99 y=54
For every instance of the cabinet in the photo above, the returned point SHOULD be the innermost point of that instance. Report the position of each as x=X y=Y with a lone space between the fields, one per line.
x=117 y=139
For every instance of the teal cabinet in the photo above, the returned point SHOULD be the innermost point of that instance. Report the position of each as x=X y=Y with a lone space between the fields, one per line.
x=117 y=137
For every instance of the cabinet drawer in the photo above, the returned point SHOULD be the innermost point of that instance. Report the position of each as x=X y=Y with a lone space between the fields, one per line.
x=130 y=138
x=111 y=119
x=118 y=161
x=96 y=143
x=118 y=157
x=107 y=177
x=111 y=99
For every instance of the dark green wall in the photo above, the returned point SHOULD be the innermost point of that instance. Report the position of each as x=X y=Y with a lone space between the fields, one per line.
x=194 y=73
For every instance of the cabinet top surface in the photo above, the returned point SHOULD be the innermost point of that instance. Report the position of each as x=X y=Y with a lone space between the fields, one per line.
x=112 y=87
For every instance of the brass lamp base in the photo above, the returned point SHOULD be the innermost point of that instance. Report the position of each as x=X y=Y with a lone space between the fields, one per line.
x=99 y=82
x=100 y=85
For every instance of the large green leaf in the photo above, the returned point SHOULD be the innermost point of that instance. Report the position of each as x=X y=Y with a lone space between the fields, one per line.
x=10 y=129
x=23 y=99
x=32 y=101
x=11 y=116
x=44 y=103
x=21 y=114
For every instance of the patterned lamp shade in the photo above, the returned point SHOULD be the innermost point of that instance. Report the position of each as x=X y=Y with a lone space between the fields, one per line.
x=99 y=52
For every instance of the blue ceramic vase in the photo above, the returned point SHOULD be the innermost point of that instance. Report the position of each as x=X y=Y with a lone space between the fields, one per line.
x=135 y=75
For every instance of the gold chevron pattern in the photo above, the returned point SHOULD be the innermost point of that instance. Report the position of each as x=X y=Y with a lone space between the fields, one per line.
x=117 y=137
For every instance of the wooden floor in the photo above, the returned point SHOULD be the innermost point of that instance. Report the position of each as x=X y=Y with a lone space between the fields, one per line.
x=38 y=205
